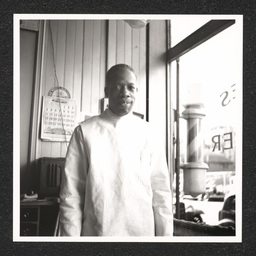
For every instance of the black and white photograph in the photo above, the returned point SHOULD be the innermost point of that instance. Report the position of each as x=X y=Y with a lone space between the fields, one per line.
x=129 y=128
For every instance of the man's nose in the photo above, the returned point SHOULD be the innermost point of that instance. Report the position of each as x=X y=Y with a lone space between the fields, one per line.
x=124 y=91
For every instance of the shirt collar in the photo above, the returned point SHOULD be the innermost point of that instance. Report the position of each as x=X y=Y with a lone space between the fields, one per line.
x=116 y=118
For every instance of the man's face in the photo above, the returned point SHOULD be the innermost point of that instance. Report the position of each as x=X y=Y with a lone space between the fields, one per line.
x=121 y=91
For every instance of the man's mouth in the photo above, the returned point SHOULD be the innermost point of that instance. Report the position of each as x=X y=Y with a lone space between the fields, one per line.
x=125 y=103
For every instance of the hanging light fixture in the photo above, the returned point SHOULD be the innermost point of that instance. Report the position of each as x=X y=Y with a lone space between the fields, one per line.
x=137 y=23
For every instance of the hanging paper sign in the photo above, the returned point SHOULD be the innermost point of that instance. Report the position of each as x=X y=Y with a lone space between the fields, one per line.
x=58 y=118
x=61 y=92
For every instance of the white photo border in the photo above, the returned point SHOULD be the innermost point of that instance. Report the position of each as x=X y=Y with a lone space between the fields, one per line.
x=16 y=133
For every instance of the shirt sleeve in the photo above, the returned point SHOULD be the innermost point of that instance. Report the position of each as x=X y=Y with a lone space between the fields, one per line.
x=72 y=191
x=162 y=194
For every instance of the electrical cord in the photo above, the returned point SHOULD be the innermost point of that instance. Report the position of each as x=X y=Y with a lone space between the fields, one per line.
x=57 y=81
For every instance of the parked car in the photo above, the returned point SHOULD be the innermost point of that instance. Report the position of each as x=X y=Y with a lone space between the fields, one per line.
x=190 y=213
x=228 y=213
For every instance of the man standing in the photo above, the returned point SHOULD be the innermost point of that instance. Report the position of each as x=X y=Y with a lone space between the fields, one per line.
x=116 y=181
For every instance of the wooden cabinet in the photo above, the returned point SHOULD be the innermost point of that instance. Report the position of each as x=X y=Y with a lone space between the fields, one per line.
x=38 y=218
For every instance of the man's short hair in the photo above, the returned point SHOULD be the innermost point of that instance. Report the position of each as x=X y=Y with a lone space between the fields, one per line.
x=116 y=68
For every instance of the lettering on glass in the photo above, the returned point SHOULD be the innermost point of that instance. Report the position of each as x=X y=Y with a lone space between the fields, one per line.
x=224 y=142
x=228 y=96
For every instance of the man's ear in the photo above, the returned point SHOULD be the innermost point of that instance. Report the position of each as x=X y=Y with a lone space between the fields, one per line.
x=106 y=91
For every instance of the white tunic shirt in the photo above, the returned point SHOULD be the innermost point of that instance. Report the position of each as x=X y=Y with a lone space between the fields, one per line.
x=116 y=181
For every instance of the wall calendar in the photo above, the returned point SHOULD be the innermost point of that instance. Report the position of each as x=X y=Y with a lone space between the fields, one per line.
x=58 y=118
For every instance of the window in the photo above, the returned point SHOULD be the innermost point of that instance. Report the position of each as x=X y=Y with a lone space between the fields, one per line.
x=205 y=69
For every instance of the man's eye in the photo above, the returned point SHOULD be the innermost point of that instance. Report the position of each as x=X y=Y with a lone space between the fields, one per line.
x=117 y=86
x=131 y=88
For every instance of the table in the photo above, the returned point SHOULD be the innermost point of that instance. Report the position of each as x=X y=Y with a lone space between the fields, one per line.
x=38 y=217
